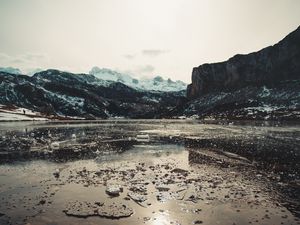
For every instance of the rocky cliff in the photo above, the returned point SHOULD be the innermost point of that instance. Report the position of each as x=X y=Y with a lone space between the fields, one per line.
x=259 y=85
x=268 y=66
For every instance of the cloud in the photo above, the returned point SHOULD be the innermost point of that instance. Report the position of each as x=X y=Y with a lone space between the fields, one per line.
x=17 y=60
x=10 y=61
x=154 y=52
x=138 y=71
x=33 y=56
x=129 y=56
x=23 y=61
x=147 y=52
x=22 y=58
x=145 y=69
x=3 y=56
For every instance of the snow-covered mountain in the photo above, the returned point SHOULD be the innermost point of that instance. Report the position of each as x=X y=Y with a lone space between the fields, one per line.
x=107 y=76
x=59 y=93
x=10 y=70
x=150 y=84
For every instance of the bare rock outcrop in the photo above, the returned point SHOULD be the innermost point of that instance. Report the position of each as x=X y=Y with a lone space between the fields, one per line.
x=268 y=66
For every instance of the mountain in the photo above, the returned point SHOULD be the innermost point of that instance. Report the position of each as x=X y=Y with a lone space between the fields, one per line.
x=10 y=70
x=54 y=92
x=154 y=84
x=260 y=85
x=263 y=84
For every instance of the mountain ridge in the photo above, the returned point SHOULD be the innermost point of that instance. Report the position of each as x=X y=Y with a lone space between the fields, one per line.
x=259 y=85
x=55 y=92
x=256 y=68
x=107 y=76
x=156 y=83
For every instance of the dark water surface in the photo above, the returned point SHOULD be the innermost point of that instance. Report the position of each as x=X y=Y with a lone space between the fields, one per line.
x=167 y=172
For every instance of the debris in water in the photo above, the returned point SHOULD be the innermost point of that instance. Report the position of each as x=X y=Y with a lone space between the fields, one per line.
x=54 y=145
x=87 y=209
x=143 y=138
x=162 y=188
x=56 y=173
x=114 y=190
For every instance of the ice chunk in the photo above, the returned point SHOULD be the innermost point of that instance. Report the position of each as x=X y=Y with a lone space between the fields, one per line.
x=143 y=137
x=54 y=145
x=114 y=190
x=56 y=173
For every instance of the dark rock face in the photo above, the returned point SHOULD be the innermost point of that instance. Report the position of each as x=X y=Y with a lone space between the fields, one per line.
x=82 y=95
x=260 y=85
x=268 y=66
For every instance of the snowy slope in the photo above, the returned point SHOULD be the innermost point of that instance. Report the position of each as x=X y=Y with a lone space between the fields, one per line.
x=17 y=114
x=159 y=84
x=61 y=76
x=154 y=84
x=10 y=70
x=19 y=117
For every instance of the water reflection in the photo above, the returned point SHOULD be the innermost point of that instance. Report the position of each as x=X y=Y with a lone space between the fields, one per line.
x=188 y=172
x=161 y=219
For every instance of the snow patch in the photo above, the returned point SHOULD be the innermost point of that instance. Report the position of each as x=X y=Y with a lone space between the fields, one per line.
x=10 y=70
x=4 y=116
x=265 y=108
x=265 y=92
x=150 y=84
x=18 y=110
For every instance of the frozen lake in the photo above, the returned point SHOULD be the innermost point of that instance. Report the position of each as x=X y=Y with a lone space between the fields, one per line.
x=149 y=172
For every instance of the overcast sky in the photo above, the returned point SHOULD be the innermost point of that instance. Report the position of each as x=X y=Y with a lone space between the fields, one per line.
x=141 y=37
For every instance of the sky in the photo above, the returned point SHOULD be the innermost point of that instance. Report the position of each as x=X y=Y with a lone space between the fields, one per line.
x=143 y=38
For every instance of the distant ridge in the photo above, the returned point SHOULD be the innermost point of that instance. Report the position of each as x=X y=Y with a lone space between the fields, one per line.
x=151 y=84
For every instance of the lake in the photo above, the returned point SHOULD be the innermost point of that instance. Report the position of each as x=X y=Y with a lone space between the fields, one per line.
x=149 y=172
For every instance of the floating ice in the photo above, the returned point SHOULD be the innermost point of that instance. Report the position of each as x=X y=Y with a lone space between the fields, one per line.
x=114 y=190
x=54 y=145
x=143 y=137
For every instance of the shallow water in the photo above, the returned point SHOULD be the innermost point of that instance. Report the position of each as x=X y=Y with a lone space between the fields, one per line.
x=181 y=172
